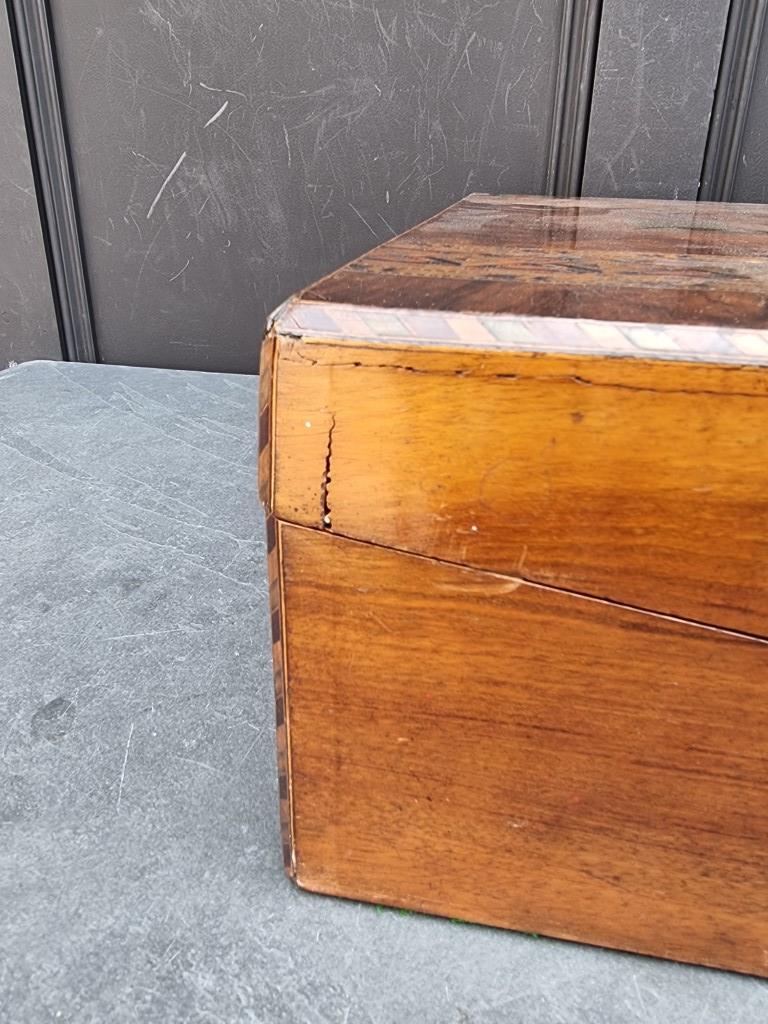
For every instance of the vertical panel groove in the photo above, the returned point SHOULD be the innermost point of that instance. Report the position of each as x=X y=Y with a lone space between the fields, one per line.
x=732 y=94
x=38 y=79
x=579 y=32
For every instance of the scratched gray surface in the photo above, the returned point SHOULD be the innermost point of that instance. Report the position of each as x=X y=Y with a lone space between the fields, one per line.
x=140 y=869
x=337 y=124
x=654 y=85
x=27 y=320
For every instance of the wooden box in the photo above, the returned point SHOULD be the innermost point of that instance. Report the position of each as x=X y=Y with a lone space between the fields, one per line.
x=515 y=464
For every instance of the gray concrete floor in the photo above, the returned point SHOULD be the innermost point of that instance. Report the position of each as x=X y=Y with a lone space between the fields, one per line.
x=140 y=868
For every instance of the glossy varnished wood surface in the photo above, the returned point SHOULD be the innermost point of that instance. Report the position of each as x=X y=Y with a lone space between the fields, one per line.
x=515 y=467
x=617 y=260
x=641 y=482
x=475 y=746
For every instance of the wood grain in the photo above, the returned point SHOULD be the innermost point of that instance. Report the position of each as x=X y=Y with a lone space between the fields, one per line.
x=614 y=260
x=515 y=468
x=470 y=745
x=640 y=481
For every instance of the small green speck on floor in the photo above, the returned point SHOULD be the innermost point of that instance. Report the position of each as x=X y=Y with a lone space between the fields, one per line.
x=393 y=910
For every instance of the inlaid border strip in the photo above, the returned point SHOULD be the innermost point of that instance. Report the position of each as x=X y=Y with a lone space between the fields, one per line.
x=281 y=713
x=266 y=389
x=267 y=382
x=681 y=342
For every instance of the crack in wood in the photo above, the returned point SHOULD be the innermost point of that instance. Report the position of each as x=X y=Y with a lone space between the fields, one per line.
x=737 y=634
x=326 y=478
x=297 y=357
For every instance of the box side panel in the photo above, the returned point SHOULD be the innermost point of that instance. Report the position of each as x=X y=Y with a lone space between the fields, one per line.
x=468 y=745
x=641 y=482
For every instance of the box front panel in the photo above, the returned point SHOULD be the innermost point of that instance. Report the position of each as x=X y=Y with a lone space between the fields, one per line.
x=469 y=745
x=641 y=482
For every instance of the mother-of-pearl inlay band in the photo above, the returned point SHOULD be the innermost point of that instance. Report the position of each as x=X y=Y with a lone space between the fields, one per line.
x=687 y=342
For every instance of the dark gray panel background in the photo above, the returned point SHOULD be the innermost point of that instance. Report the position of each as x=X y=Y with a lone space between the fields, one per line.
x=654 y=85
x=345 y=122
x=27 y=318
x=751 y=184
